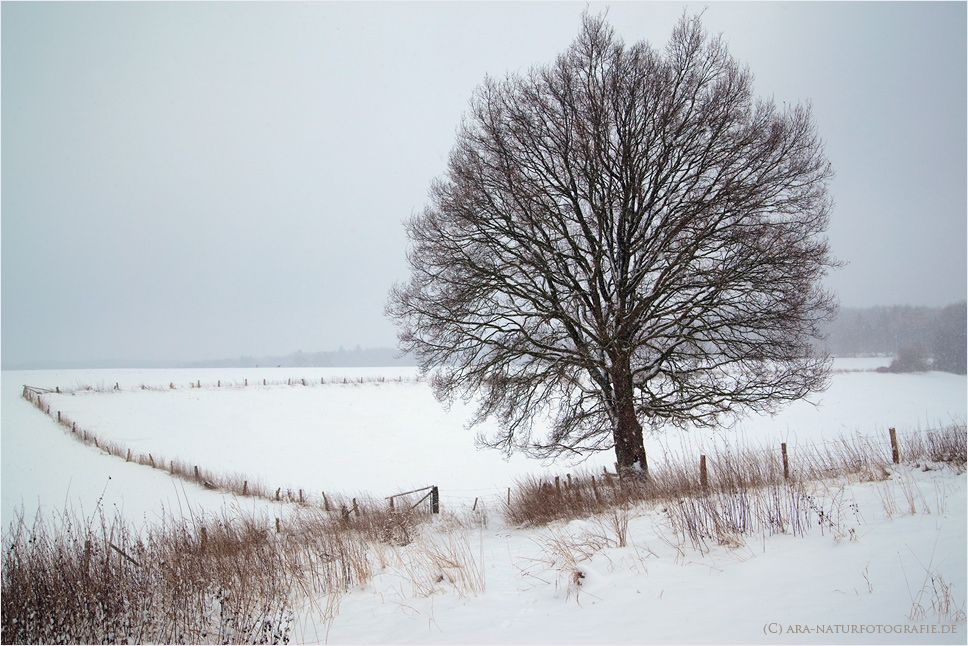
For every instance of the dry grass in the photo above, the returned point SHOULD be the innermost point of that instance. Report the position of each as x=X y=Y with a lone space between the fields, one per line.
x=948 y=445
x=935 y=602
x=793 y=507
x=904 y=494
x=744 y=491
x=444 y=561
x=230 y=579
x=96 y=581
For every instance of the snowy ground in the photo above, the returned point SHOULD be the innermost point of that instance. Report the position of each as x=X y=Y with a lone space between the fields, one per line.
x=655 y=591
x=386 y=437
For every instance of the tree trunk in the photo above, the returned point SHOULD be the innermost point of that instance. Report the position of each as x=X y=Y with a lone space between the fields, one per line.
x=629 y=446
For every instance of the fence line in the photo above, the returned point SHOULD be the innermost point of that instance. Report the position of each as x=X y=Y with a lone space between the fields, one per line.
x=205 y=479
x=243 y=383
x=826 y=444
x=199 y=476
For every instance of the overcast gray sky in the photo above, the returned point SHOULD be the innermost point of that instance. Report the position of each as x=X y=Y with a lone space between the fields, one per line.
x=192 y=181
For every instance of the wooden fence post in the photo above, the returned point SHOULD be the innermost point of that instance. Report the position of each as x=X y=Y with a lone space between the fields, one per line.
x=895 y=451
x=325 y=502
x=87 y=555
x=703 y=477
x=434 y=500
x=356 y=508
x=245 y=488
x=196 y=473
x=786 y=462
x=558 y=485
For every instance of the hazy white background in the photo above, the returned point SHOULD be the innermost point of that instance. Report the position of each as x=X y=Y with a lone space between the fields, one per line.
x=190 y=181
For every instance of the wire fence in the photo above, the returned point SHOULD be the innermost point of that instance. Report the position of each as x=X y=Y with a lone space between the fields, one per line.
x=812 y=459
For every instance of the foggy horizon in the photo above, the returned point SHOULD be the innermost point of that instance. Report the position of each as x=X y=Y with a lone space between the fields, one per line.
x=248 y=358
x=188 y=182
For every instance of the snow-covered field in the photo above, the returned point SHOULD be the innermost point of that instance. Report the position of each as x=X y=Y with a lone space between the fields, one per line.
x=387 y=436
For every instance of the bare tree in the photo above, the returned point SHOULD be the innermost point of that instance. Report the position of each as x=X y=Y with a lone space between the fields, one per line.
x=623 y=237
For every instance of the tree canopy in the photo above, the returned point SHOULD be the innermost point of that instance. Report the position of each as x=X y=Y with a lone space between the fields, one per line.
x=626 y=236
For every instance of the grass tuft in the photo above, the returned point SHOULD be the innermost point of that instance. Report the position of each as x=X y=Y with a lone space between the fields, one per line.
x=745 y=490
x=238 y=578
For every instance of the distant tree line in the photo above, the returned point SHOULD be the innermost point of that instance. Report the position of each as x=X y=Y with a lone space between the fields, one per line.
x=919 y=338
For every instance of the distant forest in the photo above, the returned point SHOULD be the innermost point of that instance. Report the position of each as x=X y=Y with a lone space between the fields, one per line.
x=919 y=338
x=923 y=337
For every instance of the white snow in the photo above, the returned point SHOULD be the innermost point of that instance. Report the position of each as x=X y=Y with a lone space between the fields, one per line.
x=384 y=437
